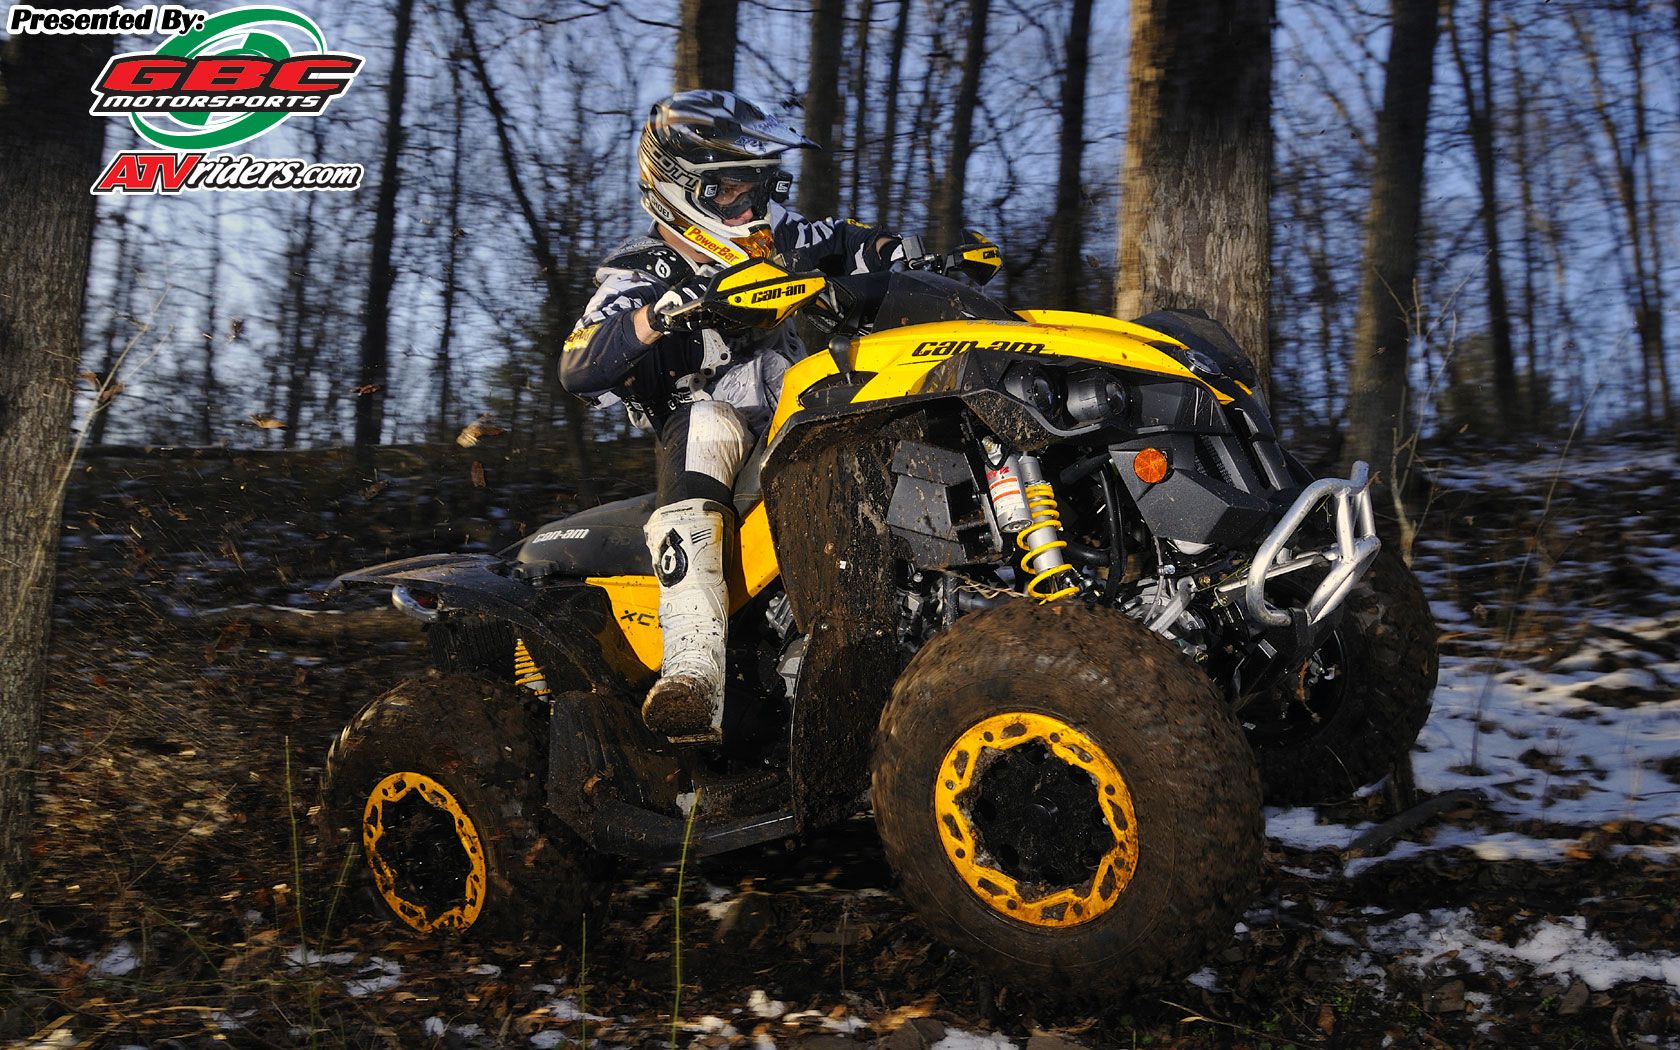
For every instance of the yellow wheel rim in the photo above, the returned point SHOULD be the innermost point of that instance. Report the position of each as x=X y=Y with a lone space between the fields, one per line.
x=421 y=916
x=957 y=799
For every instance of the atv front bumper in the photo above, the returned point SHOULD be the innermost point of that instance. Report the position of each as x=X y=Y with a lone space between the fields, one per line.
x=1349 y=556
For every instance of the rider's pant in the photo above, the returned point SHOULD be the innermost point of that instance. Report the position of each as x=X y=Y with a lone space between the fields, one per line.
x=701 y=448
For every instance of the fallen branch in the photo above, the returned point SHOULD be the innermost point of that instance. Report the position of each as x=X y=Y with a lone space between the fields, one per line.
x=1395 y=826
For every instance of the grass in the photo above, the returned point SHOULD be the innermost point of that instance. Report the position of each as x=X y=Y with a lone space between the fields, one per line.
x=676 y=915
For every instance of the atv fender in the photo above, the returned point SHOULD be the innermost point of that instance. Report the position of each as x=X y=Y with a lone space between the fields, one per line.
x=830 y=481
x=569 y=623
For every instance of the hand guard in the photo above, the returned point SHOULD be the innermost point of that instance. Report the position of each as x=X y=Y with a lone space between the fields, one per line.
x=681 y=308
x=979 y=259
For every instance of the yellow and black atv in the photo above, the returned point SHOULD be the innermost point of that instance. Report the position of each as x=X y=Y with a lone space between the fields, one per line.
x=1040 y=588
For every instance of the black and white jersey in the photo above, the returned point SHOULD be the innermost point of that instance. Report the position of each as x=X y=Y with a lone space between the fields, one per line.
x=603 y=361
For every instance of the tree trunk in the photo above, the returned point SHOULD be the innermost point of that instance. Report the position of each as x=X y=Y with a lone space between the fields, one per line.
x=888 y=145
x=1651 y=288
x=376 y=327
x=860 y=114
x=452 y=257
x=212 y=292
x=955 y=186
x=1194 y=229
x=1535 y=399
x=1478 y=104
x=1638 y=210
x=706 y=46
x=297 y=310
x=301 y=349
x=548 y=265
x=1067 y=225
x=1377 y=428
x=819 y=177
x=122 y=296
x=49 y=157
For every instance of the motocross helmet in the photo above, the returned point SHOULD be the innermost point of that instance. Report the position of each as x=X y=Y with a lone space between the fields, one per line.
x=700 y=146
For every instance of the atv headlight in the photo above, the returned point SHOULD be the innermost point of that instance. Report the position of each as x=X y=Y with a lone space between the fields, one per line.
x=1095 y=396
x=1037 y=387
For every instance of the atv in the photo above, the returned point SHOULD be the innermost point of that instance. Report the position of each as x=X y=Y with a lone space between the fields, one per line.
x=1040 y=589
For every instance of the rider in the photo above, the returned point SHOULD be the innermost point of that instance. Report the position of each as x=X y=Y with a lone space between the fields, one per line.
x=712 y=179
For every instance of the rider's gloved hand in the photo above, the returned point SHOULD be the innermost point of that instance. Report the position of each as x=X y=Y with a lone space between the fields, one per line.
x=679 y=310
x=885 y=252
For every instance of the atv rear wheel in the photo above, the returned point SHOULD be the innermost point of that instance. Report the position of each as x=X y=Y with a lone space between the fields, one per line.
x=1361 y=701
x=439 y=782
x=1067 y=799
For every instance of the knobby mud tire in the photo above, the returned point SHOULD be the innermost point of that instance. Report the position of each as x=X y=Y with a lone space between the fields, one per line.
x=1191 y=774
x=1388 y=638
x=478 y=740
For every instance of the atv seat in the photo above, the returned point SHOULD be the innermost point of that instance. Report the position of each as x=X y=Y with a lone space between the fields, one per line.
x=607 y=540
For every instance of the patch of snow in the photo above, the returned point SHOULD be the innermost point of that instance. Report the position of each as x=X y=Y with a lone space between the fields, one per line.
x=433 y=1027
x=546 y=1040
x=118 y=962
x=1661 y=854
x=299 y=957
x=230 y=1022
x=714 y=892
x=47 y=963
x=715 y=910
x=957 y=1039
x=379 y=975
x=764 y=1006
x=564 y=1010
x=711 y=1026
x=1485 y=845
x=1565 y=947
x=1205 y=978
x=1553 y=948
x=1543 y=750
x=1298 y=828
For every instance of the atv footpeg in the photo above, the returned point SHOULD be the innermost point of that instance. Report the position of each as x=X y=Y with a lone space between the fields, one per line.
x=1355 y=547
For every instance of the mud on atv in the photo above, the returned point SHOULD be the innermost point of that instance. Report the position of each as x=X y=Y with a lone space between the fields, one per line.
x=1042 y=589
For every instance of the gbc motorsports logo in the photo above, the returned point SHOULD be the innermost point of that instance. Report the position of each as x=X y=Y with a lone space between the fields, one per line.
x=217 y=81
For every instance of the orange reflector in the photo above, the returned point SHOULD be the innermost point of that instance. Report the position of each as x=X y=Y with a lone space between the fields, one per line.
x=1150 y=465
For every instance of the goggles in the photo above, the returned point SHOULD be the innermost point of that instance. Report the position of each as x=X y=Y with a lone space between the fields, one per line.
x=746 y=188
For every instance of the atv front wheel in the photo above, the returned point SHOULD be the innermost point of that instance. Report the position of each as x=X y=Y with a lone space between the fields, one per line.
x=439 y=782
x=1357 y=706
x=1067 y=799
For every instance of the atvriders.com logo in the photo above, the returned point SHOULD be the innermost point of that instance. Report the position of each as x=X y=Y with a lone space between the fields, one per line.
x=217 y=81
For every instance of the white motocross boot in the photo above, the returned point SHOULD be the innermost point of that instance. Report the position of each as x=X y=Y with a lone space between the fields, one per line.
x=686 y=540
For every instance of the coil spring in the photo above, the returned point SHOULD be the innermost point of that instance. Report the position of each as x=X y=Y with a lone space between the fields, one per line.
x=525 y=670
x=1041 y=504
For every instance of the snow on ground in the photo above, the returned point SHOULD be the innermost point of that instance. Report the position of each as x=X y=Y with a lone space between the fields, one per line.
x=1541 y=750
x=956 y=1039
x=1610 y=462
x=1442 y=941
x=1557 y=738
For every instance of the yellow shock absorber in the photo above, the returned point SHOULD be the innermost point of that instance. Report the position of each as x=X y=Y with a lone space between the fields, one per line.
x=1042 y=541
x=525 y=670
